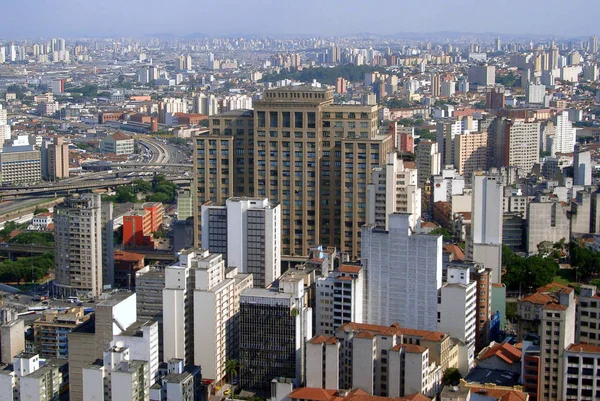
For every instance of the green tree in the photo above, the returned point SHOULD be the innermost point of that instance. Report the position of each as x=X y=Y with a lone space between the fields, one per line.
x=231 y=368
x=443 y=232
x=39 y=210
x=451 y=377
x=125 y=194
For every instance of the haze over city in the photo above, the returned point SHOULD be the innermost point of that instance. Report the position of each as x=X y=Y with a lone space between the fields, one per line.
x=74 y=18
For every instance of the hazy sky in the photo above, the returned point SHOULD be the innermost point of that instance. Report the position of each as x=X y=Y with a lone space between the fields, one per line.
x=27 y=18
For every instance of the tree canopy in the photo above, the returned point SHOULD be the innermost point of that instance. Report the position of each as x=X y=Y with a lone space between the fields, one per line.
x=534 y=271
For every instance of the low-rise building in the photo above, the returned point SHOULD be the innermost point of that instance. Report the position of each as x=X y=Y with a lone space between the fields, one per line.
x=118 y=143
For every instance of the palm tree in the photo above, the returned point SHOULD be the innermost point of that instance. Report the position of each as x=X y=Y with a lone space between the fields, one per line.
x=231 y=368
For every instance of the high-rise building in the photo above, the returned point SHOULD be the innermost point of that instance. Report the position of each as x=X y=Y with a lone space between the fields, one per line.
x=303 y=148
x=582 y=167
x=12 y=335
x=4 y=127
x=582 y=362
x=447 y=88
x=564 y=134
x=470 y=153
x=20 y=165
x=435 y=85
x=497 y=45
x=274 y=326
x=556 y=332
x=593 y=44
x=247 y=231
x=58 y=160
x=522 y=139
x=117 y=375
x=482 y=75
x=535 y=93
x=58 y=86
x=185 y=207
x=446 y=131
x=52 y=329
x=547 y=220
x=393 y=189
x=216 y=307
x=458 y=313
x=78 y=247
x=429 y=161
x=339 y=299
x=401 y=267
x=588 y=317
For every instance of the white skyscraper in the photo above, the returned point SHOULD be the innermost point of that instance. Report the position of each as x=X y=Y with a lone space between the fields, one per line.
x=247 y=231
x=564 y=134
x=582 y=167
x=403 y=271
x=458 y=312
x=393 y=189
x=4 y=127
x=484 y=243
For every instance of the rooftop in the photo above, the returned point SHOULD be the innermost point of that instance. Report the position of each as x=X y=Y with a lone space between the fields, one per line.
x=505 y=351
x=583 y=347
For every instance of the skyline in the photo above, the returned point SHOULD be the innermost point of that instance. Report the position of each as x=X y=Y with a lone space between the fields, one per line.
x=268 y=17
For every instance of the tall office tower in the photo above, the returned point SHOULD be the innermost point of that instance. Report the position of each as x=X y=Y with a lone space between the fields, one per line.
x=58 y=159
x=498 y=45
x=185 y=206
x=429 y=161
x=216 y=307
x=556 y=332
x=582 y=167
x=593 y=44
x=535 y=93
x=457 y=311
x=108 y=250
x=333 y=55
x=484 y=242
x=78 y=247
x=393 y=189
x=61 y=45
x=401 y=267
x=339 y=299
x=470 y=153
x=13 y=52
x=313 y=158
x=445 y=133
x=247 y=231
x=564 y=134
x=482 y=75
x=118 y=376
x=274 y=325
x=178 y=310
x=436 y=81
x=522 y=144
x=224 y=162
x=180 y=63
x=143 y=75
x=590 y=72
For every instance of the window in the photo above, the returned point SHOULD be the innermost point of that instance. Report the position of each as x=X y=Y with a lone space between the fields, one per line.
x=298 y=119
x=261 y=118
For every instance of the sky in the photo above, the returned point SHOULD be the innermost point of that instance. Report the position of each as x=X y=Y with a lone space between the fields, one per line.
x=80 y=18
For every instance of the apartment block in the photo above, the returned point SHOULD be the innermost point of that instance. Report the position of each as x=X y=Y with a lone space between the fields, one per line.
x=393 y=189
x=581 y=382
x=429 y=161
x=116 y=376
x=58 y=160
x=52 y=329
x=470 y=153
x=547 y=220
x=247 y=232
x=457 y=311
x=216 y=307
x=446 y=132
x=521 y=144
x=274 y=325
x=588 y=316
x=12 y=335
x=139 y=226
x=401 y=267
x=78 y=247
x=403 y=361
x=20 y=165
x=339 y=299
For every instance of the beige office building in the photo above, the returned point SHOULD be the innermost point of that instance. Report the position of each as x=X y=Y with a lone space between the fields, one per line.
x=300 y=150
x=470 y=154
x=58 y=159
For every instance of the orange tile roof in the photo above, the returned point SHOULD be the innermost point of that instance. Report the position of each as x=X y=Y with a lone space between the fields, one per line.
x=455 y=250
x=538 y=299
x=120 y=136
x=554 y=287
x=130 y=256
x=393 y=329
x=349 y=269
x=555 y=306
x=583 y=347
x=502 y=394
x=318 y=340
x=313 y=394
x=507 y=352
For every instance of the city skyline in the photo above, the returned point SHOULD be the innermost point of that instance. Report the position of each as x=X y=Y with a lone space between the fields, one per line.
x=267 y=17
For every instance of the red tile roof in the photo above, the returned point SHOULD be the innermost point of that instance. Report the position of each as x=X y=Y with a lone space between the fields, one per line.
x=507 y=352
x=583 y=347
x=349 y=269
x=502 y=394
x=312 y=394
x=120 y=136
x=555 y=306
x=538 y=299
x=393 y=329
x=129 y=256
x=410 y=348
x=457 y=253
